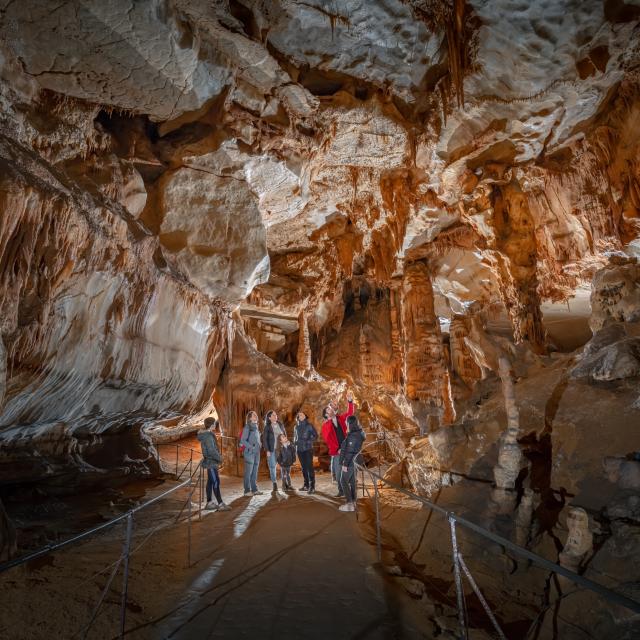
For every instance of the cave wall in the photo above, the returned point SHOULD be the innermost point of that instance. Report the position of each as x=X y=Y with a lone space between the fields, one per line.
x=166 y=164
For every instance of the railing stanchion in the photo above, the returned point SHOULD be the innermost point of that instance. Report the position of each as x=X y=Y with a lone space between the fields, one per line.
x=191 y=489
x=458 y=578
x=482 y=599
x=378 y=540
x=201 y=487
x=125 y=574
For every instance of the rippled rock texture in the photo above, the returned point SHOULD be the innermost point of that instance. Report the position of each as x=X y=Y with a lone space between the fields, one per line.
x=223 y=199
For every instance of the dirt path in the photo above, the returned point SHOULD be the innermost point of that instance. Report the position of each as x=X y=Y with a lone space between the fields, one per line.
x=290 y=568
x=275 y=566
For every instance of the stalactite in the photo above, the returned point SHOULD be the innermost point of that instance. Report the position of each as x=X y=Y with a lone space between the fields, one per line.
x=395 y=313
x=516 y=240
x=304 y=348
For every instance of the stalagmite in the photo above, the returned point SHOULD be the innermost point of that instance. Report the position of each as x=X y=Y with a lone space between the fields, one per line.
x=579 y=541
x=261 y=204
x=523 y=518
x=462 y=361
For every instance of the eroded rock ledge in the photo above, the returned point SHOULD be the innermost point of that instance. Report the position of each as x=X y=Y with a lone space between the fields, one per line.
x=259 y=204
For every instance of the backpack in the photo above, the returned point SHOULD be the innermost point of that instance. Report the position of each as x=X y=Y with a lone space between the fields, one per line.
x=240 y=446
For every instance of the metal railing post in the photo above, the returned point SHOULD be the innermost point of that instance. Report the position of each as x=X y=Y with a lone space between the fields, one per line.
x=482 y=599
x=378 y=540
x=201 y=486
x=458 y=578
x=237 y=456
x=125 y=574
x=191 y=489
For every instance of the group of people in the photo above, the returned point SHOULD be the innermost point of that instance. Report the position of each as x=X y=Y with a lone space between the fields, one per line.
x=342 y=434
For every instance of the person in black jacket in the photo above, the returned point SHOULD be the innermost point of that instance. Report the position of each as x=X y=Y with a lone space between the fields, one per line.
x=349 y=455
x=270 y=443
x=305 y=436
x=286 y=458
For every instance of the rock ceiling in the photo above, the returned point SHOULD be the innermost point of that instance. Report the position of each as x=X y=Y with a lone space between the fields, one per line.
x=176 y=171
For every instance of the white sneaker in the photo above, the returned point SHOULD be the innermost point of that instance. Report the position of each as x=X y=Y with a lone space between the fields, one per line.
x=211 y=506
x=224 y=507
x=347 y=507
x=248 y=493
x=258 y=493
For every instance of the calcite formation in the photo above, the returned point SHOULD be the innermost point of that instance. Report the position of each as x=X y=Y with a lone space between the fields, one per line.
x=579 y=540
x=426 y=373
x=266 y=202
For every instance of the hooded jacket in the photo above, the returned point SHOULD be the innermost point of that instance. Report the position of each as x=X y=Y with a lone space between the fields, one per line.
x=305 y=435
x=351 y=446
x=211 y=458
x=286 y=455
x=250 y=440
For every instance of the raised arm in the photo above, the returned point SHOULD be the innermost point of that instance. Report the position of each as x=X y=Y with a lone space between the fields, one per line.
x=350 y=410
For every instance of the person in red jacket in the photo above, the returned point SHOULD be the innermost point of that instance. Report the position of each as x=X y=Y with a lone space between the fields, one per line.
x=334 y=431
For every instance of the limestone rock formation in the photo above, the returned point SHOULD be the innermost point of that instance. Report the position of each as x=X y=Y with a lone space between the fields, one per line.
x=579 y=540
x=238 y=205
x=616 y=294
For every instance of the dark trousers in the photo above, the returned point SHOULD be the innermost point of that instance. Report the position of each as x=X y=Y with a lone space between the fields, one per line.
x=213 y=485
x=348 y=482
x=285 y=473
x=309 y=475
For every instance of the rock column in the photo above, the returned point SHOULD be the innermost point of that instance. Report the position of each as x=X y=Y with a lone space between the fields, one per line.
x=304 y=349
x=426 y=374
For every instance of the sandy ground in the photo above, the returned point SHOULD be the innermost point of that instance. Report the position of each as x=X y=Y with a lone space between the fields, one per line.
x=275 y=566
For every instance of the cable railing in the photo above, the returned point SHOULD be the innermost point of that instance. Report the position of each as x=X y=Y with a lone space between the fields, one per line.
x=226 y=444
x=460 y=566
x=124 y=558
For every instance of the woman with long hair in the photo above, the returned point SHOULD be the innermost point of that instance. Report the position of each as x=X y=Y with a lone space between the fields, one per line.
x=271 y=433
x=305 y=436
x=250 y=441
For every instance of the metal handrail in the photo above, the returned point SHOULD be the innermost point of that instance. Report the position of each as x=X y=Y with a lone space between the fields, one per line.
x=612 y=596
x=50 y=548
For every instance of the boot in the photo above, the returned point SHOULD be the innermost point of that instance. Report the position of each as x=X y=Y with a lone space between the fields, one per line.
x=275 y=487
x=305 y=488
x=312 y=488
x=284 y=485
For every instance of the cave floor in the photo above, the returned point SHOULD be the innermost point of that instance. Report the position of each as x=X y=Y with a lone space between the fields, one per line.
x=275 y=566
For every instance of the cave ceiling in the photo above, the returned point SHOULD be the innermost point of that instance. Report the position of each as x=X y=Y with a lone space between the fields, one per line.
x=168 y=163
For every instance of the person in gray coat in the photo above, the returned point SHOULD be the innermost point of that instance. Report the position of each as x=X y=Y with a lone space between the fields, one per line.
x=211 y=461
x=250 y=443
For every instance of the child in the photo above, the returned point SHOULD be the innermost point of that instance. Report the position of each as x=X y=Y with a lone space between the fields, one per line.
x=211 y=460
x=286 y=458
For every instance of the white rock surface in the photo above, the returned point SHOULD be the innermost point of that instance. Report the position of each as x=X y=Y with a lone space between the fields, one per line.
x=211 y=228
